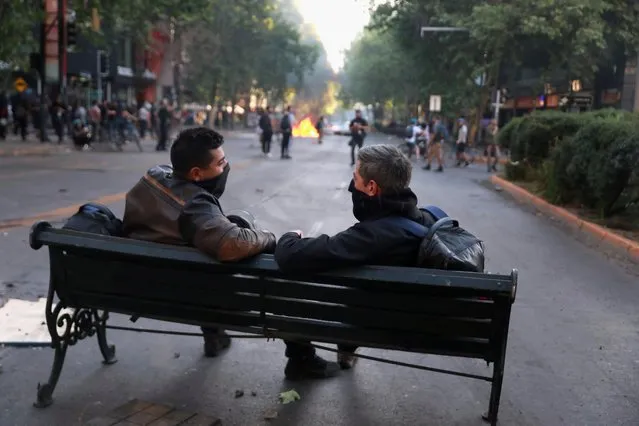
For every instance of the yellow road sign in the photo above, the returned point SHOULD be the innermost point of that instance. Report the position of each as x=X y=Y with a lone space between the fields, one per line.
x=20 y=84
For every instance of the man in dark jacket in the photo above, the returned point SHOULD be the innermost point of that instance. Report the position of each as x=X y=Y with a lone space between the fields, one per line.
x=267 y=131
x=379 y=190
x=180 y=205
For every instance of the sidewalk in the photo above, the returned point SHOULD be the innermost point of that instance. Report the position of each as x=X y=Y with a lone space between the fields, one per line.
x=14 y=146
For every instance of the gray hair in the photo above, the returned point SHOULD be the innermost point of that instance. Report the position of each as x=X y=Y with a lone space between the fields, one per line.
x=386 y=165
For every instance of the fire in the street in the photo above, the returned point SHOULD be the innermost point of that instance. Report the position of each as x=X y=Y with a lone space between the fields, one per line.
x=305 y=129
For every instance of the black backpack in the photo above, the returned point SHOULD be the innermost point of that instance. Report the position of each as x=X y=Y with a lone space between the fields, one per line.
x=95 y=219
x=445 y=244
x=285 y=124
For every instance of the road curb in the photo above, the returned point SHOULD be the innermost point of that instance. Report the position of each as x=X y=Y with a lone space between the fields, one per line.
x=600 y=234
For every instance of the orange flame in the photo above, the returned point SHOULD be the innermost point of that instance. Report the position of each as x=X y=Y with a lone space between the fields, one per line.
x=305 y=129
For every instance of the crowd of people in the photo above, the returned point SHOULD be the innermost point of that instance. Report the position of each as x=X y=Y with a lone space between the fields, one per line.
x=429 y=140
x=116 y=122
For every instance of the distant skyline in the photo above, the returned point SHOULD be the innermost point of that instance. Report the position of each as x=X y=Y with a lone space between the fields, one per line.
x=338 y=22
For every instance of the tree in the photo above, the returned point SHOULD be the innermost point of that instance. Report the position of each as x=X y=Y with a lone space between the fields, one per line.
x=248 y=47
x=574 y=36
x=17 y=18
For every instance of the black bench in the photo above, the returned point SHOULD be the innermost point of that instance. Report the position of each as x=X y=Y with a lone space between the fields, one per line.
x=416 y=310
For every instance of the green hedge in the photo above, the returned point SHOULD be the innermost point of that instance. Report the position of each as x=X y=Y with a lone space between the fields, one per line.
x=590 y=159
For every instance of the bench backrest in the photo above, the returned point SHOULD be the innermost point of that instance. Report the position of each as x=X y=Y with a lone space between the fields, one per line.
x=442 y=312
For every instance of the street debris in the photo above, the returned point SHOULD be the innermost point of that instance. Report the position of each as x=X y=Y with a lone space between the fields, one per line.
x=254 y=393
x=270 y=415
x=176 y=355
x=289 y=396
x=239 y=393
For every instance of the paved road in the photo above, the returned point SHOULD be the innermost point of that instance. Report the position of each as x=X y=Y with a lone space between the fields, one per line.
x=573 y=355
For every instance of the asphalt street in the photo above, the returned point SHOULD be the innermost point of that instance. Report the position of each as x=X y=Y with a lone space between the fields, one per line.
x=573 y=353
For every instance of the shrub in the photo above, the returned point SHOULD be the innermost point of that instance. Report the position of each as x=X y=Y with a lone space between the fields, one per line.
x=516 y=171
x=531 y=138
x=557 y=183
x=606 y=154
x=506 y=135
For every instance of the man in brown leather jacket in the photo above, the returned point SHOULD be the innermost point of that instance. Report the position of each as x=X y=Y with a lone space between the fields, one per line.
x=180 y=205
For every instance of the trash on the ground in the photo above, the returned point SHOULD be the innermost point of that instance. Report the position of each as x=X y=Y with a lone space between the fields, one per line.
x=498 y=188
x=253 y=393
x=239 y=393
x=62 y=190
x=176 y=355
x=289 y=396
x=259 y=190
x=270 y=415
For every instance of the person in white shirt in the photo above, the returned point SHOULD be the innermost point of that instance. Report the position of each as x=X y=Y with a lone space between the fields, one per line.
x=462 y=142
x=144 y=114
x=416 y=132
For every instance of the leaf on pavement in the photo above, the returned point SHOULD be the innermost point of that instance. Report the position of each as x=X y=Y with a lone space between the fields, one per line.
x=289 y=396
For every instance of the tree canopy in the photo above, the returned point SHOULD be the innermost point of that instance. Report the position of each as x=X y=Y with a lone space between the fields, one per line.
x=574 y=36
x=232 y=49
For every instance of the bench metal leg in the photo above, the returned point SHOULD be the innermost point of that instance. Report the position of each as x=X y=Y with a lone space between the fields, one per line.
x=45 y=391
x=108 y=351
x=66 y=328
x=495 y=393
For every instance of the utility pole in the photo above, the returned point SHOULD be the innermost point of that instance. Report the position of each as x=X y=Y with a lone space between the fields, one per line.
x=62 y=48
x=99 y=75
x=43 y=78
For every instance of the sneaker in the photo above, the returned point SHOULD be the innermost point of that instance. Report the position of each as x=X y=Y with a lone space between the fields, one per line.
x=426 y=167
x=346 y=360
x=215 y=343
x=310 y=368
x=440 y=169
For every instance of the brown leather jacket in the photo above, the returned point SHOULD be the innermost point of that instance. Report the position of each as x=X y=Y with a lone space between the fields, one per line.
x=165 y=209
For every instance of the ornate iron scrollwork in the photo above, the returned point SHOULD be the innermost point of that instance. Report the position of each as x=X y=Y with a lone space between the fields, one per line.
x=66 y=328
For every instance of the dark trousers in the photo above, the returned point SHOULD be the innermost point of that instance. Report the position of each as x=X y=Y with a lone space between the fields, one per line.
x=267 y=137
x=286 y=140
x=164 y=136
x=355 y=142
x=298 y=349
x=346 y=348
x=143 y=127
x=58 y=127
x=20 y=124
x=295 y=350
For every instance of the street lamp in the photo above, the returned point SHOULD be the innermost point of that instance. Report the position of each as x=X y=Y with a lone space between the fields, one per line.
x=441 y=30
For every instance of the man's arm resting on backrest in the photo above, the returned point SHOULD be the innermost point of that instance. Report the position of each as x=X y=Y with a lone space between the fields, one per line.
x=204 y=226
x=354 y=246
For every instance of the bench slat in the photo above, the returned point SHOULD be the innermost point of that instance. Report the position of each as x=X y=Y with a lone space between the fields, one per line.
x=469 y=308
x=374 y=277
x=397 y=340
x=118 y=282
x=381 y=320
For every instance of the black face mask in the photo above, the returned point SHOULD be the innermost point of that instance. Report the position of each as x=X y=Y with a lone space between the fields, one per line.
x=217 y=184
x=364 y=206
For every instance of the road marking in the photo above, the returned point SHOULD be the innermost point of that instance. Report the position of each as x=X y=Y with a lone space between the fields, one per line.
x=58 y=213
x=23 y=323
x=65 y=212
x=315 y=229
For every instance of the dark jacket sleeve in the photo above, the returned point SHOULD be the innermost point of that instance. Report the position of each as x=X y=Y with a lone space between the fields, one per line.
x=355 y=246
x=203 y=225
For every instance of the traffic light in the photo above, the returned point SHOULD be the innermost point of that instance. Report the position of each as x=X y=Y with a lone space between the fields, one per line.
x=105 y=65
x=72 y=32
